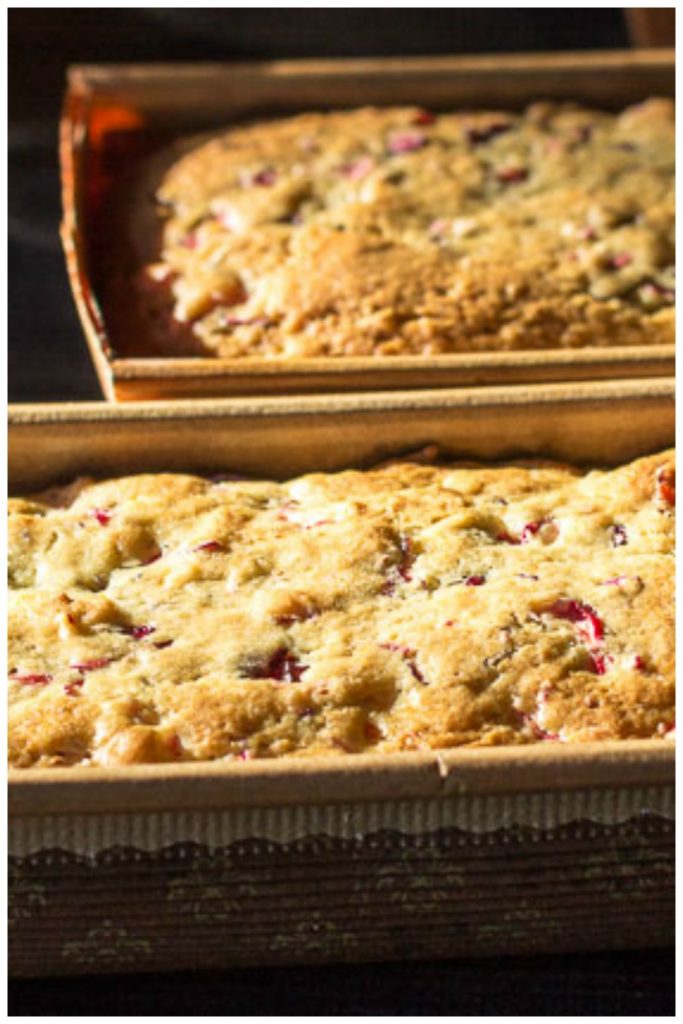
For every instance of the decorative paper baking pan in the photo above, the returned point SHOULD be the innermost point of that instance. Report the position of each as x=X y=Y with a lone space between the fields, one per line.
x=460 y=852
x=116 y=115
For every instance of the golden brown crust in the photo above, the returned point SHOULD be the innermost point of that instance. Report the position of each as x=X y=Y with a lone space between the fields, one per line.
x=167 y=617
x=383 y=232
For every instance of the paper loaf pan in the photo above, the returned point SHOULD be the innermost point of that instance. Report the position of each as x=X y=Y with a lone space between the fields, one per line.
x=459 y=852
x=116 y=115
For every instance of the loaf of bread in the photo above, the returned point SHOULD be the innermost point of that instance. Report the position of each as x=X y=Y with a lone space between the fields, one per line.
x=412 y=607
x=399 y=232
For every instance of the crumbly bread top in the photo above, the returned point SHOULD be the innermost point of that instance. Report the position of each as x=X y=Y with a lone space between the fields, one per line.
x=396 y=231
x=167 y=617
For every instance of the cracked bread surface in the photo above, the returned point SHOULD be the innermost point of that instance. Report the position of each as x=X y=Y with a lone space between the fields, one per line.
x=412 y=607
x=400 y=232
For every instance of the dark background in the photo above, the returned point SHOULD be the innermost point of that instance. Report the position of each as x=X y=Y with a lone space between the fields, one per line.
x=48 y=361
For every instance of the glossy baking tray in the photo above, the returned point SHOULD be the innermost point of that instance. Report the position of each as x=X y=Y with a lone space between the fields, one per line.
x=452 y=853
x=116 y=115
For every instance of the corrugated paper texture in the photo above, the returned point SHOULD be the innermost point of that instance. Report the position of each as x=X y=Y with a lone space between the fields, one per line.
x=385 y=895
x=88 y=835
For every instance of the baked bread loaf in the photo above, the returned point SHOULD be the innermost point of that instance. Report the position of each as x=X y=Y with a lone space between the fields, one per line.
x=398 y=232
x=167 y=617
